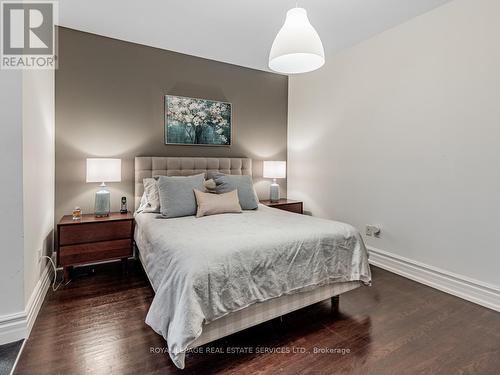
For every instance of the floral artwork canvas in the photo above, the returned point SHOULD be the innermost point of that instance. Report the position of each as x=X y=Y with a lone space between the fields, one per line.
x=191 y=121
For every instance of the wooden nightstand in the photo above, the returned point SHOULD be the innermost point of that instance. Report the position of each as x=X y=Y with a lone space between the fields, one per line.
x=94 y=239
x=286 y=205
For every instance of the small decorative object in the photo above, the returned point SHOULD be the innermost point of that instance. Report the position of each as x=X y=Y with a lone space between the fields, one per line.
x=190 y=121
x=123 y=206
x=77 y=213
x=297 y=48
x=274 y=170
x=103 y=170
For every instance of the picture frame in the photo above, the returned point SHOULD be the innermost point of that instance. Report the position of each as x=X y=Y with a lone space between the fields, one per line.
x=197 y=121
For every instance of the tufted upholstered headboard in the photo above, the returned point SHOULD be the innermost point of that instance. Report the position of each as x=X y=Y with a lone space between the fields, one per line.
x=149 y=166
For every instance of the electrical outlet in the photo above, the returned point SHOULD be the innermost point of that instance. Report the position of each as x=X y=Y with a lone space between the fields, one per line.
x=372 y=230
x=368 y=231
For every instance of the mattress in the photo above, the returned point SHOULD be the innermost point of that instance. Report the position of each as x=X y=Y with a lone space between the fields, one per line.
x=203 y=269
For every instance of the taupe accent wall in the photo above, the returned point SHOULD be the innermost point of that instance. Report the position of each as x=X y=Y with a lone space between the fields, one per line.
x=109 y=103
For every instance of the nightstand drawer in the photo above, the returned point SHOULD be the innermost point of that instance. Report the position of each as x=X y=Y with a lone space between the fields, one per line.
x=291 y=207
x=94 y=232
x=285 y=205
x=94 y=252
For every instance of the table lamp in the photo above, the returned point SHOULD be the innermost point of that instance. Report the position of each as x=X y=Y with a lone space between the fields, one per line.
x=103 y=170
x=274 y=170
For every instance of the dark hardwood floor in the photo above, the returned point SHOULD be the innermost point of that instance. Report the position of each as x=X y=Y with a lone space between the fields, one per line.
x=95 y=325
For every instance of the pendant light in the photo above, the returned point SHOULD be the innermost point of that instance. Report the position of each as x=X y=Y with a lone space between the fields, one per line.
x=297 y=48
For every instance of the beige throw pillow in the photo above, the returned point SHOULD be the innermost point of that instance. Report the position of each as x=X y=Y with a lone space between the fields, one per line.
x=212 y=204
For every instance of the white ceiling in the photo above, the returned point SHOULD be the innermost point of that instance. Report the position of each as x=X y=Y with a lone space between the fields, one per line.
x=235 y=31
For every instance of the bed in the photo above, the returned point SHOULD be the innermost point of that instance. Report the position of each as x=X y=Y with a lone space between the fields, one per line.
x=217 y=275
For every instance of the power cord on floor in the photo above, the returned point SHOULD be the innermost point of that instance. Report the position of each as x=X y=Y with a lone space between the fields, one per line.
x=54 y=287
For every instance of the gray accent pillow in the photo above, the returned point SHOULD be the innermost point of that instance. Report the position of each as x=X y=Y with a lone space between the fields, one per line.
x=244 y=184
x=177 y=194
x=211 y=174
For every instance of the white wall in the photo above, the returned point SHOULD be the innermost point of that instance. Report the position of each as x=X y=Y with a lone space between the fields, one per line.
x=27 y=191
x=403 y=131
x=11 y=192
x=38 y=173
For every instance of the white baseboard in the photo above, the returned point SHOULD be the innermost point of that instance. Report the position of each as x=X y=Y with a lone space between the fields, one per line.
x=18 y=326
x=471 y=290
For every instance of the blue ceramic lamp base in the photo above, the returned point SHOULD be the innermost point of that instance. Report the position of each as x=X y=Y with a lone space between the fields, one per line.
x=274 y=192
x=102 y=201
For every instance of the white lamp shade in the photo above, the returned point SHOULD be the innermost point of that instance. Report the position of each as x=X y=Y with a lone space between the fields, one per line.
x=274 y=169
x=297 y=48
x=104 y=170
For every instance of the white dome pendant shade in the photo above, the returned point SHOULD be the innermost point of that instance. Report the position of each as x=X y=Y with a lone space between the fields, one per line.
x=297 y=48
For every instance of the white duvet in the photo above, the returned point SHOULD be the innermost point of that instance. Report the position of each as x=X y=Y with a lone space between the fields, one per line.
x=204 y=268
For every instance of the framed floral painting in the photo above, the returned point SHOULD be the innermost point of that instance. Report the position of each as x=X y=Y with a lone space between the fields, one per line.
x=191 y=121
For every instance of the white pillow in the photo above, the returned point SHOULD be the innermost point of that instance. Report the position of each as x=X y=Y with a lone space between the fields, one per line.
x=143 y=204
x=152 y=195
